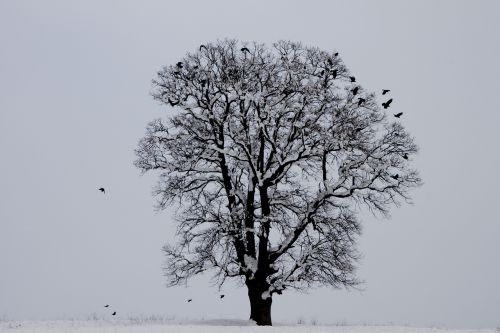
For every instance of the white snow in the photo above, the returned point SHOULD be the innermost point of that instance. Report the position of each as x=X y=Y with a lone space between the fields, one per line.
x=250 y=263
x=205 y=326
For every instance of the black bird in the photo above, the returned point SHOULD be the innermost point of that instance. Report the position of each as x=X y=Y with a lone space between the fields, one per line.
x=353 y=79
x=322 y=73
x=202 y=46
x=405 y=156
x=179 y=64
x=385 y=91
x=334 y=73
x=397 y=115
x=395 y=177
x=172 y=103
x=189 y=300
x=222 y=296
x=336 y=54
x=114 y=313
x=330 y=62
x=355 y=91
x=102 y=190
x=361 y=101
x=244 y=49
x=106 y=306
x=387 y=103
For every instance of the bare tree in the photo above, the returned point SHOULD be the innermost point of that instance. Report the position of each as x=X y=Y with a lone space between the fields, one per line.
x=271 y=154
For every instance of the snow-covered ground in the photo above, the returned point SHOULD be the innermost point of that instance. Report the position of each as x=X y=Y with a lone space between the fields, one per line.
x=205 y=326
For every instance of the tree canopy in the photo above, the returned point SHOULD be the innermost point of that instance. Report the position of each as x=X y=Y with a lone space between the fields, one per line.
x=271 y=153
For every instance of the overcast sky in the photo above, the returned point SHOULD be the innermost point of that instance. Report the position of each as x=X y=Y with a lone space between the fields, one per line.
x=75 y=79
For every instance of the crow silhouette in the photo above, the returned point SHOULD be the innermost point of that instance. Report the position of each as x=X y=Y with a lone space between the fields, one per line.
x=222 y=296
x=353 y=79
x=334 y=73
x=395 y=177
x=102 y=190
x=361 y=101
x=330 y=62
x=203 y=46
x=322 y=73
x=355 y=91
x=189 y=300
x=172 y=103
x=387 y=103
x=179 y=64
x=397 y=115
x=385 y=91
x=405 y=156
x=106 y=306
x=114 y=313
x=244 y=49
x=336 y=54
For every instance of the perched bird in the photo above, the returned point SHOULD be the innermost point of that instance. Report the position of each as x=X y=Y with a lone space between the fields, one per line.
x=385 y=91
x=102 y=190
x=353 y=79
x=189 y=300
x=106 y=306
x=387 y=103
x=405 y=156
x=330 y=62
x=172 y=103
x=395 y=177
x=244 y=49
x=397 y=115
x=222 y=296
x=179 y=64
x=361 y=101
x=336 y=54
x=114 y=313
x=355 y=91
x=322 y=73
x=334 y=73
x=202 y=46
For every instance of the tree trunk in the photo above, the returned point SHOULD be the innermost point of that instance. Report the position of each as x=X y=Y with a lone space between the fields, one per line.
x=260 y=309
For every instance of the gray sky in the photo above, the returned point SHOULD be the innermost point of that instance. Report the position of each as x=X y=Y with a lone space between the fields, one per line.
x=74 y=101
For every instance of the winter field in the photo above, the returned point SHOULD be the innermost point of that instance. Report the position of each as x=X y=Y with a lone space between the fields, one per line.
x=208 y=326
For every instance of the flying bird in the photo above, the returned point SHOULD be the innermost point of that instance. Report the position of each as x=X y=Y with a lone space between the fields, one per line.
x=361 y=101
x=179 y=64
x=395 y=177
x=385 y=91
x=106 y=306
x=102 y=190
x=189 y=300
x=387 y=103
x=355 y=91
x=353 y=79
x=397 y=115
x=222 y=296
x=244 y=49
x=114 y=313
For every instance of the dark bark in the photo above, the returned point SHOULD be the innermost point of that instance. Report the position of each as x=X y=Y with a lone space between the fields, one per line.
x=260 y=309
